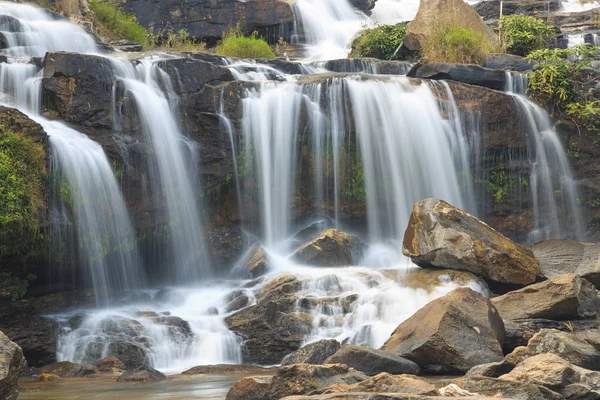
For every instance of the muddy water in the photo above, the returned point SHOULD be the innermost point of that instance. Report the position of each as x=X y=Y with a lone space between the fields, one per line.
x=206 y=387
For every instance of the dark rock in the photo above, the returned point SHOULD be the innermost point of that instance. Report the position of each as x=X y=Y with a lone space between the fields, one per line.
x=107 y=364
x=495 y=387
x=507 y=62
x=313 y=353
x=252 y=388
x=518 y=332
x=363 y=5
x=466 y=73
x=368 y=65
x=558 y=257
x=12 y=366
x=67 y=369
x=440 y=235
x=563 y=298
x=131 y=354
x=226 y=246
x=333 y=248
x=451 y=334
x=372 y=361
x=490 y=10
x=225 y=369
x=237 y=304
x=127 y=46
x=578 y=391
x=36 y=335
x=143 y=373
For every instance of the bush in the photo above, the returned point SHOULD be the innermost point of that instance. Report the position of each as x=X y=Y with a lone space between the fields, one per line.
x=121 y=24
x=234 y=44
x=521 y=34
x=450 y=42
x=380 y=41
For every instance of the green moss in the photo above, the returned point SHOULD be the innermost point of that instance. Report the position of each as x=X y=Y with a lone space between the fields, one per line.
x=234 y=44
x=379 y=41
x=354 y=189
x=501 y=183
x=522 y=34
x=12 y=287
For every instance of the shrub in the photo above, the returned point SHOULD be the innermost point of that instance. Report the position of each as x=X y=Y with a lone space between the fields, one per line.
x=379 y=41
x=181 y=41
x=450 y=42
x=119 y=23
x=522 y=34
x=234 y=44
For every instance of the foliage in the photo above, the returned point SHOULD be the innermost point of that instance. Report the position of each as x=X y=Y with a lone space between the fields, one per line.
x=354 y=189
x=182 y=41
x=379 y=41
x=558 y=84
x=235 y=44
x=122 y=24
x=14 y=288
x=451 y=42
x=522 y=34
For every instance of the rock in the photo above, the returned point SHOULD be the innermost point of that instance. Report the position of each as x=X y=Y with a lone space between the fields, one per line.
x=372 y=361
x=507 y=62
x=144 y=373
x=563 y=298
x=252 y=388
x=226 y=246
x=558 y=257
x=258 y=263
x=553 y=372
x=313 y=230
x=430 y=278
x=131 y=354
x=300 y=379
x=179 y=329
x=238 y=303
x=363 y=5
x=466 y=73
x=313 y=353
x=12 y=366
x=518 y=332
x=366 y=64
x=226 y=369
x=333 y=248
x=495 y=387
x=387 y=383
x=450 y=334
x=490 y=9
x=578 y=391
x=440 y=235
x=107 y=364
x=591 y=336
x=497 y=369
x=48 y=377
x=127 y=46
x=428 y=19
x=67 y=369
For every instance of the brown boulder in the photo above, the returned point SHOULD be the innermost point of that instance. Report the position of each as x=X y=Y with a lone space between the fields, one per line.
x=440 y=235
x=332 y=248
x=504 y=388
x=252 y=388
x=563 y=298
x=372 y=361
x=12 y=366
x=313 y=353
x=387 y=383
x=67 y=369
x=107 y=364
x=558 y=257
x=451 y=334
x=144 y=373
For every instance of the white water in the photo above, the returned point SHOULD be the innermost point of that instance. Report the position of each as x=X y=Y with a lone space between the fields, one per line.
x=578 y=6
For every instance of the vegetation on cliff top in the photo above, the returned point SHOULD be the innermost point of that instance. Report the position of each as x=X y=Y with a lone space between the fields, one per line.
x=521 y=34
x=379 y=41
x=235 y=44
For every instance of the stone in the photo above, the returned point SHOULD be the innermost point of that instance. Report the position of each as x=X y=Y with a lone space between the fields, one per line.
x=372 y=361
x=48 y=377
x=504 y=388
x=558 y=257
x=237 y=304
x=226 y=369
x=578 y=391
x=107 y=364
x=507 y=62
x=357 y=65
x=363 y=5
x=333 y=248
x=591 y=336
x=429 y=17
x=497 y=369
x=466 y=73
x=258 y=263
x=519 y=332
x=67 y=369
x=12 y=366
x=300 y=379
x=451 y=334
x=566 y=345
x=131 y=354
x=252 y=388
x=226 y=246
x=313 y=353
x=388 y=383
x=144 y=373
x=563 y=298
x=440 y=235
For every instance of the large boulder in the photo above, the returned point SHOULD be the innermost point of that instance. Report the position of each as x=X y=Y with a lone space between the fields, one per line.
x=227 y=369
x=507 y=62
x=251 y=388
x=144 y=373
x=12 y=366
x=451 y=334
x=387 y=383
x=109 y=364
x=466 y=73
x=226 y=246
x=255 y=263
x=558 y=257
x=519 y=332
x=132 y=354
x=313 y=353
x=372 y=361
x=333 y=248
x=440 y=235
x=430 y=16
x=504 y=388
x=67 y=369
x=563 y=298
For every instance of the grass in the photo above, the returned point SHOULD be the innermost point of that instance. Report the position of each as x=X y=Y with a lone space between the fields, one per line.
x=379 y=41
x=120 y=24
x=235 y=44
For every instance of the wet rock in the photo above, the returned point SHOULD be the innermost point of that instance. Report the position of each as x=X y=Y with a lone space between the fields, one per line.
x=558 y=257
x=131 y=354
x=258 y=263
x=300 y=379
x=372 y=361
x=127 y=46
x=12 y=366
x=67 y=369
x=333 y=248
x=252 y=388
x=107 y=364
x=430 y=278
x=312 y=231
x=387 y=383
x=495 y=387
x=507 y=62
x=143 y=373
x=48 y=377
x=428 y=18
x=363 y=5
x=226 y=246
x=170 y=296
x=490 y=10
x=563 y=298
x=178 y=328
x=36 y=335
x=366 y=64
x=466 y=73
x=451 y=334
x=237 y=304
x=313 y=353
x=440 y=235
x=519 y=332
x=224 y=369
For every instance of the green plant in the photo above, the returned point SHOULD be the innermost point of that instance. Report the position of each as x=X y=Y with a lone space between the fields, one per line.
x=120 y=23
x=235 y=44
x=182 y=41
x=500 y=184
x=354 y=189
x=451 y=42
x=379 y=41
x=522 y=34
x=14 y=288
